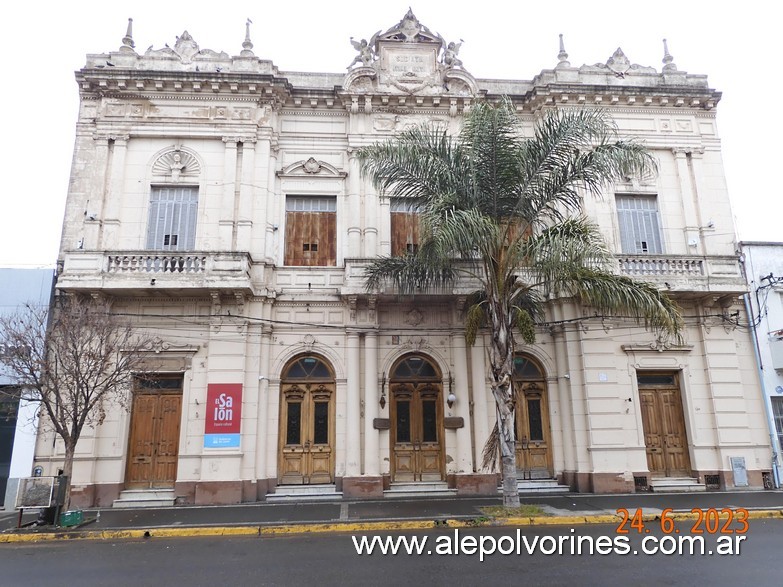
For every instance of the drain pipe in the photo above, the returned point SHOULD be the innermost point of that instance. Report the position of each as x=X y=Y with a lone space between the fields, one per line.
x=764 y=398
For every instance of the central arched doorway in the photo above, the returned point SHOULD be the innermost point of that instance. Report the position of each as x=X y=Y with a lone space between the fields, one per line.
x=534 y=443
x=307 y=391
x=417 y=448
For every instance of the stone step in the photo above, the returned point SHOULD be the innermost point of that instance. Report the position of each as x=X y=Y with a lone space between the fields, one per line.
x=145 y=498
x=420 y=489
x=676 y=485
x=541 y=486
x=295 y=493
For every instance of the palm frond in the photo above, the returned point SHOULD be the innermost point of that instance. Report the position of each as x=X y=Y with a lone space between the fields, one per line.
x=617 y=294
x=491 y=451
x=407 y=273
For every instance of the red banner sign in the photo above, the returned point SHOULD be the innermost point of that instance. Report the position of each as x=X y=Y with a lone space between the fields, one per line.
x=224 y=408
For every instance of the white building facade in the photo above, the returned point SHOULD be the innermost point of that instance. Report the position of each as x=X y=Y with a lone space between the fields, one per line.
x=218 y=201
x=764 y=271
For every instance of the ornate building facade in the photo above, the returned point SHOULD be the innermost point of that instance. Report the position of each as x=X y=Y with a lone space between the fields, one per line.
x=218 y=202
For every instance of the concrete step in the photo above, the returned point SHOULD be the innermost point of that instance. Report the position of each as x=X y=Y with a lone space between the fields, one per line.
x=420 y=489
x=145 y=498
x=298 y=493
x=676 y=485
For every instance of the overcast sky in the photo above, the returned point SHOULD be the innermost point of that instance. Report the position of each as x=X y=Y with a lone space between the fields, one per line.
x=732 y=43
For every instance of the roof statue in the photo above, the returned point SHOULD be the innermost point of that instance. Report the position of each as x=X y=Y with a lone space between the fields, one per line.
x=366 y=51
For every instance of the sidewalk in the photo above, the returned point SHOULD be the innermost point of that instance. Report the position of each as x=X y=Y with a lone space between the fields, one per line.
x=377 y=515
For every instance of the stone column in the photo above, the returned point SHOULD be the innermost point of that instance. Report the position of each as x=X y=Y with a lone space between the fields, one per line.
x=563 y=395
x=261 y=194
x=96 y=204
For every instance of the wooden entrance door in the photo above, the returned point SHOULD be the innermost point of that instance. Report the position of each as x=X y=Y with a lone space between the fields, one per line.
x=533 y=444
x=154 y=433
x=306 y=451
x=533 y=440
x=663 y=422
x=417 y=432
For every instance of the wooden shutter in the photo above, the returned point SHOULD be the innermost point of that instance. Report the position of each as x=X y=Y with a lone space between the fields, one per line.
x=404 y=227
x=311 y=231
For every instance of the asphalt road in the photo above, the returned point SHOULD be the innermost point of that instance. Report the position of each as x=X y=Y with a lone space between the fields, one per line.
x=331 y=559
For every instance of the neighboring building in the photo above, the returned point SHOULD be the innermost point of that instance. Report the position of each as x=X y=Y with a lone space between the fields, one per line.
x=219 y=201
x=18 y=417
x=764 y=272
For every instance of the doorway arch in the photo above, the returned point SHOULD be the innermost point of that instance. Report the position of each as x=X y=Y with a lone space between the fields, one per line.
x=533 y=433
x=417 y=444
x=306 y=436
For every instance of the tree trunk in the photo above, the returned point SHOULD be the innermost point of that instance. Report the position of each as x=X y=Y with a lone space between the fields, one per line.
x=70 y=449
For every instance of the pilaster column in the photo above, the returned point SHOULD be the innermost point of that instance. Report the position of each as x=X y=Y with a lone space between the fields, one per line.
x=263 y=399
x=461 y=407
x=245 y=209
x=372 y=455
x=353 y=460
x=481 y=423
x=116 y=171
x=226 y=222
x=563 y=393
x=691 y=221
x=353 y=215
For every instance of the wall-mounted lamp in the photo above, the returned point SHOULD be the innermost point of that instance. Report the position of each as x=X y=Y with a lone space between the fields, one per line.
x=451 y=398
x=382 y=401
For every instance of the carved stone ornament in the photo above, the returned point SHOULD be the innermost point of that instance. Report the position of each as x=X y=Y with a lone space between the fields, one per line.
x=311 y=166
x=414 y=317
x=416 y=343
x=620 y=65
x=175 y=164
x=308 y=341
x=186 y=50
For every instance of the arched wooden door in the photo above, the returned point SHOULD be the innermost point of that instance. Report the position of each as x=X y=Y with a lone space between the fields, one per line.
x=534 y=443
x=306 y=454
x=416 y=421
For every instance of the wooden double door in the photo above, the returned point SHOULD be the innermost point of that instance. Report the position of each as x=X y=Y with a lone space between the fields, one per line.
x=663 y=421
x=307 y=434
x=417 y=432
x=153 y=446
x=533 y=442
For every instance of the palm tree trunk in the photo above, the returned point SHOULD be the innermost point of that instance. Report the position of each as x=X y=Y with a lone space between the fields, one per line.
x=502 y=365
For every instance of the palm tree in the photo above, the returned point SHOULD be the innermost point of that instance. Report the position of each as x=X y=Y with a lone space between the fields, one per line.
x=506 y=212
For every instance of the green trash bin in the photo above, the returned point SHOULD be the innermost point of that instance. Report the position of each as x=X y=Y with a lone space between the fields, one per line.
x=71 y=518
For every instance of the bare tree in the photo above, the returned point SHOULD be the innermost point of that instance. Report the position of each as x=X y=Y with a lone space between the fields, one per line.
x=75 y=359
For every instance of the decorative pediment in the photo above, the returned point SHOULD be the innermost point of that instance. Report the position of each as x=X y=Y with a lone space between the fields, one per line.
x=408 y=59
x=186 y=50
x=176 y=163
x=311 y=167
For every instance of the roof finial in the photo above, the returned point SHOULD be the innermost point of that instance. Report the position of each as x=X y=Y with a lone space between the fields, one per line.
x=668 y=64
x=127 y=40
x=562 y=56
x=247 y=45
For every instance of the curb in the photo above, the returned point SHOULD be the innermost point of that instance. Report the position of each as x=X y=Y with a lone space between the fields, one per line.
x=343 y=527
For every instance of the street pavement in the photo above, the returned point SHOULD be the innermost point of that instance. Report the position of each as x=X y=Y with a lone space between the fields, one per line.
x=335 y=516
